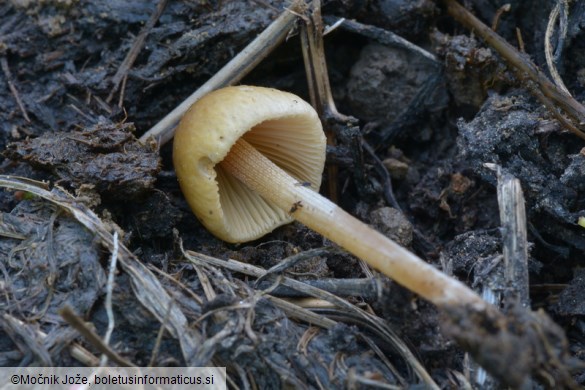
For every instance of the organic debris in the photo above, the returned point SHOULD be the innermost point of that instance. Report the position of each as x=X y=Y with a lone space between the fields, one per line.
x=439 y=106
x=50 y=262
x=107 y=157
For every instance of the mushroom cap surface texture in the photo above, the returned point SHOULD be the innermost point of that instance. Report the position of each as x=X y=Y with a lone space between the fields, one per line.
x=280 y=125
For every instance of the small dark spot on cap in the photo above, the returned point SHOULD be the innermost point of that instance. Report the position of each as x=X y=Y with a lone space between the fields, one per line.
x=210 y=212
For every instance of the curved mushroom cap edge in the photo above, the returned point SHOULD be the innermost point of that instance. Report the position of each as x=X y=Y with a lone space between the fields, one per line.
x=280 y=125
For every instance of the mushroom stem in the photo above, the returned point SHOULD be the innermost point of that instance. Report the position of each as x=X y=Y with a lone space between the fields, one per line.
x=323 y=216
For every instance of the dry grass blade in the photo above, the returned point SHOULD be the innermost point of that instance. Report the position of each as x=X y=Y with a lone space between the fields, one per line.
x=359 y=316
x=300 y=313
x=367 y=288
x=78 y=352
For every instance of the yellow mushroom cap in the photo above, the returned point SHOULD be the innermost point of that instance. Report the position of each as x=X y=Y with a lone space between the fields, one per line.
x=280 y=125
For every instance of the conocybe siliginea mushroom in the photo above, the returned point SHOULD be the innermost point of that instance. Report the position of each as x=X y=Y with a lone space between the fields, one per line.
x=250 y=159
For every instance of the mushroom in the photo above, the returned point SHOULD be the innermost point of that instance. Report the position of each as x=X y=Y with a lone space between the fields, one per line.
x=250 y=159
x=281 y=126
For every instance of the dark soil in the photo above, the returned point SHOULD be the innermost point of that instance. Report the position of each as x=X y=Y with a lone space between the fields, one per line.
x=68 y=118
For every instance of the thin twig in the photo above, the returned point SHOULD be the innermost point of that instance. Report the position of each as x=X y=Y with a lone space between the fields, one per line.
x=499 y=12
x=232 y=72
x=293 y=260
x=521 y=45
x=548 y=51
x=421 y=239
x=383 y=172
x=182 y=286
x=109 y=293
x=159 y=336
x=333 y=27
x=77 y=323
x=123 y=90
x=382 y=36
x=134 y=51
x=13 y=90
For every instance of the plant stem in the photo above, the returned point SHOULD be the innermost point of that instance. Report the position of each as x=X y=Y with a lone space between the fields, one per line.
x=321 y=215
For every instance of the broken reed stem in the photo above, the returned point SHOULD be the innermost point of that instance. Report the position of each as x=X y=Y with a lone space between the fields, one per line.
x=315 y=63
x=313 y=50
x=232 y=72
x=318 y=213
x=12 y=87
x=514 y=236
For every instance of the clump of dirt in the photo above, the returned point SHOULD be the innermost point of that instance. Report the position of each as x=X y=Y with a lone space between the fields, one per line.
x=107 y=157
x=514 y=132
x=393 y=224
x=49 y=262
x=470 y=69
x=384 y=80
